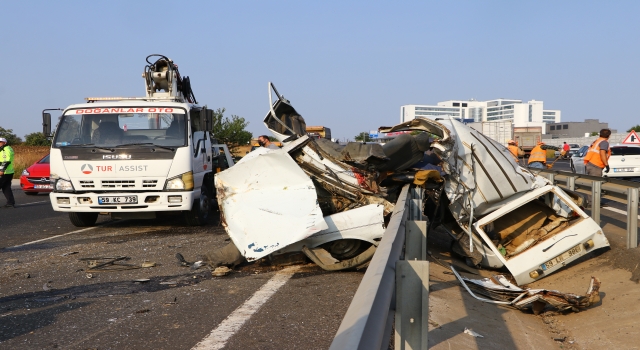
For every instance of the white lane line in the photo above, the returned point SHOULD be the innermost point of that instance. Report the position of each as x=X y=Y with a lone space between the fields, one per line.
x=52 y=237
x=218 y=338
x=616 y=210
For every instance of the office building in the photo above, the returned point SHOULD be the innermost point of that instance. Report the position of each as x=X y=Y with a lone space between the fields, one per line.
x=521 y=113
x=575 y=129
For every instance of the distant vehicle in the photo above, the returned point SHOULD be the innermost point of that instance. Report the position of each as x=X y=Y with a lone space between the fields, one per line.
x=573 y=149
x=35 y=179
x=624 y=161
x=501 y=131
x=527 y=137
x=319 y=132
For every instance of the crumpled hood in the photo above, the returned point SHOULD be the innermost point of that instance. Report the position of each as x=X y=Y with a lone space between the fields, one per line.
x=479 y=169
x=267 y=202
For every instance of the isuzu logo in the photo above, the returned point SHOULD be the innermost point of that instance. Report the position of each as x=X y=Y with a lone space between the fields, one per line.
x=116 y=156
x=86 y=168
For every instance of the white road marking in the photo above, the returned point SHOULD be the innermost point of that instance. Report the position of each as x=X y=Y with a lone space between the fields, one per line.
x=616 y=210
x=218 y=338
x=52 y=237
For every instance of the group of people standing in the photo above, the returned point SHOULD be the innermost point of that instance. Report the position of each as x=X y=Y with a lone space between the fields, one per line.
x=596 y=160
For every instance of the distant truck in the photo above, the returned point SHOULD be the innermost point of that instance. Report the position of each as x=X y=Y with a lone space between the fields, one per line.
x=527 y=137
x=501 y=131
x=319 y=132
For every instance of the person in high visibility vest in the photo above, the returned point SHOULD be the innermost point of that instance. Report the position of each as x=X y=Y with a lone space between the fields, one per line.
x=6 y=172
x=515 y=150
x=538 y=157
x=597 y=158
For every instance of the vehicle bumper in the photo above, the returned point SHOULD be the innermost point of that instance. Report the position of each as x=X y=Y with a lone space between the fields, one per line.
x=616 y=174
x=147 y=202
x=27 y=186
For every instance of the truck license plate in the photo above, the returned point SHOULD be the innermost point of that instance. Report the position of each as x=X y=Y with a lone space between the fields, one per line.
x=118 y=200
x=562 y=257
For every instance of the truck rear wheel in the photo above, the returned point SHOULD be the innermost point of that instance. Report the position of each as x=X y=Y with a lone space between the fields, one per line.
x=83 y=219
x=200 y=211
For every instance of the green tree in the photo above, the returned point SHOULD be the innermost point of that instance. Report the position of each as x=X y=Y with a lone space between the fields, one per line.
x=594 y=133
x=12 y=139
x=363 y=136
x=230 y=131
x=635 y=128
x=36 y=139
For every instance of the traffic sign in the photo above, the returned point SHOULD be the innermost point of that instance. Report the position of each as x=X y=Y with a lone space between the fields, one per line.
x=632 y=139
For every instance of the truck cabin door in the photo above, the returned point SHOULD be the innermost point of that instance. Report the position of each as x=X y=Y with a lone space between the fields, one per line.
x=201 y=145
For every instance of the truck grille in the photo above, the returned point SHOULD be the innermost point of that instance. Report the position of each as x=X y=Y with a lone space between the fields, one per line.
x=87 y=184
x=118 y=183
x=149 y=183
x=39 y=180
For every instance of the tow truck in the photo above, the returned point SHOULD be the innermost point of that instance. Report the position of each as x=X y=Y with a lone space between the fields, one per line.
x=134 y=157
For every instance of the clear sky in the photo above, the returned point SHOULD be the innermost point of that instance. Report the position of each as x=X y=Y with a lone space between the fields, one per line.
x=343 y=64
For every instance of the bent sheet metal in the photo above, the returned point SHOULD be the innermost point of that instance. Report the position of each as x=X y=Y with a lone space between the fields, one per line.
x=499 y=290
x=512 y=217
x=283 y=203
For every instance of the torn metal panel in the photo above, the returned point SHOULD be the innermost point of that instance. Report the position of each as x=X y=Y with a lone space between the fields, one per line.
x=482 y=172
x=499 y=290
x=365 y=223
x=267 y=202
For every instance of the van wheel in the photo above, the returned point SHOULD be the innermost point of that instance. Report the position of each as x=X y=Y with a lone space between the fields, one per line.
x=201 y=211
x=83 y=219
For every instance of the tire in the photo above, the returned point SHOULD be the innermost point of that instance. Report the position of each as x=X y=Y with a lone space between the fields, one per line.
x=83 y=219
x=200 y=211
x=573 y=168
x=31 y=193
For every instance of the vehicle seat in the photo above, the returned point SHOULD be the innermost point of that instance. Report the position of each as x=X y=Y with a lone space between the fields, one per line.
x=107 y=133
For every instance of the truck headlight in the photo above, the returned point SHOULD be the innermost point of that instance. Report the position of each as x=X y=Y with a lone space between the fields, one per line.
x=180 y=182
x=64 y=185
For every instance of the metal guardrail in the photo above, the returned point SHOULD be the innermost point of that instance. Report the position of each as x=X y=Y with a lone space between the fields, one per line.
x=368 y=323
x=621 y=191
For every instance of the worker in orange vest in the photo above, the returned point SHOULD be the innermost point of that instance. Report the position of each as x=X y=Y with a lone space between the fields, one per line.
x=538 y=157
x=515 y=150
x=597 y=158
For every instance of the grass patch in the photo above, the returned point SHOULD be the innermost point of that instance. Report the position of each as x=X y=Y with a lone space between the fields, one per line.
x=25 y=156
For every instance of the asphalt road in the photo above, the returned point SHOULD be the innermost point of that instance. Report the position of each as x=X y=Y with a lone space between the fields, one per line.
x=50 y=299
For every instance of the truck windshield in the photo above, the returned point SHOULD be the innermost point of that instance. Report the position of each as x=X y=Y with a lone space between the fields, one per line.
x=121 y=128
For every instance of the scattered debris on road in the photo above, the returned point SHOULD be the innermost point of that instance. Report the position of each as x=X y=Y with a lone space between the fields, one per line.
x=472 y=333
x=500 y=290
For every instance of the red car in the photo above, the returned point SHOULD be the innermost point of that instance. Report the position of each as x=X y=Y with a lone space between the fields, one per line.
x=35 y=179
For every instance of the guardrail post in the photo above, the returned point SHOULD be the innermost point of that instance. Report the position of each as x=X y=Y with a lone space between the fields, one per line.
x=571 y=183
x=595 y=201
x=412 y=305
x=632 y=217
x=416 y=240
x=552 y=178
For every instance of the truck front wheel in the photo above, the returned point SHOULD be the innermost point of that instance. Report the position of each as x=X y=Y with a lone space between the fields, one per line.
x=201 y=209
x=83 y=219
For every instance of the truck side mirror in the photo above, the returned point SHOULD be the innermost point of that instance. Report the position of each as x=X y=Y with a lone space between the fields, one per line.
x=46 y=124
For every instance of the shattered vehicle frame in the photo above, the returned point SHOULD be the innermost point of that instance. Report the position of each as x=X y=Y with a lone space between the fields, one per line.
x=306 y=197
x=331 y=201
x=505 y=215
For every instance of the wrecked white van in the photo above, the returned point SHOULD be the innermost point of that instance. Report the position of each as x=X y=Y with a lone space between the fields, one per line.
x=303 y=198
x=506 y=216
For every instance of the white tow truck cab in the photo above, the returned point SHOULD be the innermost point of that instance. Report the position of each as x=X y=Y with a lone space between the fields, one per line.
x=134 y=157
